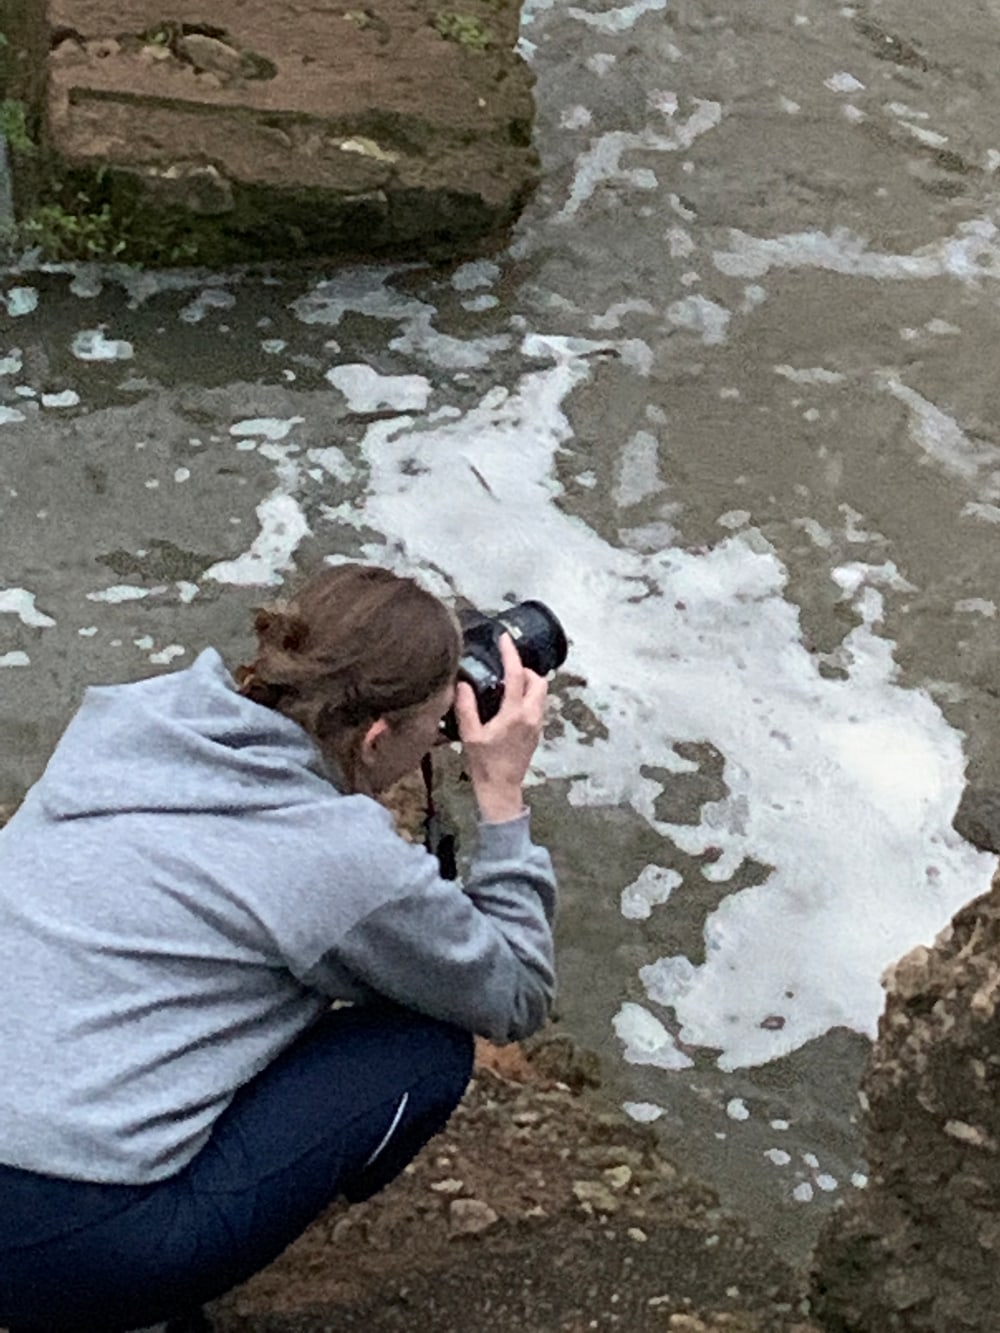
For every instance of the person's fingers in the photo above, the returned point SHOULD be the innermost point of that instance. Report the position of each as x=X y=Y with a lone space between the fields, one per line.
x=513 y=667
x=536 y=691
x=467 y=711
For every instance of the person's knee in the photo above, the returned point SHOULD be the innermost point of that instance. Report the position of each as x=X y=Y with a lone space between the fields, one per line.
x=455 y=1057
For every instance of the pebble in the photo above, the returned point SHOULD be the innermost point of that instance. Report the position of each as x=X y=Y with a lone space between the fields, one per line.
x=618 y=1176
x=526 y=1117
x=637 y=1234
x=449 y=1186
x=470 y=1217
x=596 y=1194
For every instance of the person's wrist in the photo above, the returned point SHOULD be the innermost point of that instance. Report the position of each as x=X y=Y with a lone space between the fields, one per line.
x=497 y=804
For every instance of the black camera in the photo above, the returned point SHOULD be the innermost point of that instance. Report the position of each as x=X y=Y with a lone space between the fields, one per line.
x=538 y=637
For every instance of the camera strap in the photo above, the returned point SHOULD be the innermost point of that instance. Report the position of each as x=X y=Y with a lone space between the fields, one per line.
x=439 y=840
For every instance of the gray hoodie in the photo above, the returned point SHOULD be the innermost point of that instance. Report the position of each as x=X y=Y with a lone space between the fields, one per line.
x=185 y=890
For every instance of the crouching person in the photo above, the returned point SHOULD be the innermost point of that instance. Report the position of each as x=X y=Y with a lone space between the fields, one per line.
x=199 y=872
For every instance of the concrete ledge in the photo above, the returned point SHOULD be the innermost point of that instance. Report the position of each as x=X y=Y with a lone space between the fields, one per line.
x=249 y=130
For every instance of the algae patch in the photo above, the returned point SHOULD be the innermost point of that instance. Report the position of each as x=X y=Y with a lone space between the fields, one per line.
x=465 y=29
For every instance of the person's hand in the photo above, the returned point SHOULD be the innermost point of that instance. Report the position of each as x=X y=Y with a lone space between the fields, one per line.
x=498 y=752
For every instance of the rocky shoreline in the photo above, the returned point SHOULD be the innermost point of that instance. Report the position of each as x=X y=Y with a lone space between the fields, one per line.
x=542 y=1207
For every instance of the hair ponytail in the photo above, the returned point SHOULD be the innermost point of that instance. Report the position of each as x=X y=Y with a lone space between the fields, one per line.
x=354 y=644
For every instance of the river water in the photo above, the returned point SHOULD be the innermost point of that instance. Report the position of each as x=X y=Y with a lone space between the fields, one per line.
x=726 y=402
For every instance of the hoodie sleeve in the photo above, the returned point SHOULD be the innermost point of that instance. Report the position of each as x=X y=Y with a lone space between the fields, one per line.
x=481 y=957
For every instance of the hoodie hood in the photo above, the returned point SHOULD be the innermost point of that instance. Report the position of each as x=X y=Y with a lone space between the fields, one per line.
x=184 y=741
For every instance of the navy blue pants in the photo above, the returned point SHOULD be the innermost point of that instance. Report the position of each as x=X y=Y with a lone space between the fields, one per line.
x=340 y=1113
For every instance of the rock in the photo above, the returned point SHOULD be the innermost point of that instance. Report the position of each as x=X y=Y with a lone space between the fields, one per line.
x=978 y=817
x=208 y=53
x=916 y=1250
x=470 y=1217
x=199 y=189
x=449 y=1186
x=325 y=135
x=618 y=1177
x=595 y=1195
x=69 y=52
x=526 y=1118
x=557 y=1056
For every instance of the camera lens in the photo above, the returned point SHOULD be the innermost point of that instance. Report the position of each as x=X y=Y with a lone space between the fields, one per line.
x=538 y=636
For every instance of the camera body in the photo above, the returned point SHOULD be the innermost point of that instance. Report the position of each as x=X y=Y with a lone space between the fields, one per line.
x=537 y=635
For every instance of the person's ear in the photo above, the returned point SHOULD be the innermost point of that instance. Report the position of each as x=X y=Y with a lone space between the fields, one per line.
x=371 y=741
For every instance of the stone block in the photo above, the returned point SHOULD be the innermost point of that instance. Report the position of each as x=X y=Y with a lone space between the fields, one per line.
x=251 y=130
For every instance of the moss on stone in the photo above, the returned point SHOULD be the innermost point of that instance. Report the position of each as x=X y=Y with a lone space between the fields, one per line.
x=14 y=126
x=465 y=29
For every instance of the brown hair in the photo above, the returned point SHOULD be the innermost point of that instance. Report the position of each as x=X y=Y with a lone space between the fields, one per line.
x=354 y=644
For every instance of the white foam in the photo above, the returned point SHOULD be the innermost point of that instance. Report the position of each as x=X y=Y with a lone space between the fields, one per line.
x=701 y=315
x=120 y=592
x=167 y=654
x=643 y=1112
x=282 y=527
x=365 y=292
x=12 y=362
x=929 y=137
x=601 y=63
x=736 y=1109
x=15 y=659
x=21 y=603
x=970 y=254
x=333 y=461
x=711 y=651
x=67 y=398
x=810 y=375
x=92 y=345
x=612 y=317
x=602 y=160
x=943 y=440
x=646 y=1040
x=575 y=118
x=616 y=20
x=20 y=301
x=988 y=513
x=843 y=82
x=265 y=428
x=366 y=390
x=638 y=471
x=803 y=1192
x=778 y=1156
x=478 y=273
x=652 y=888
x=10 y=415
x=211 y=298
